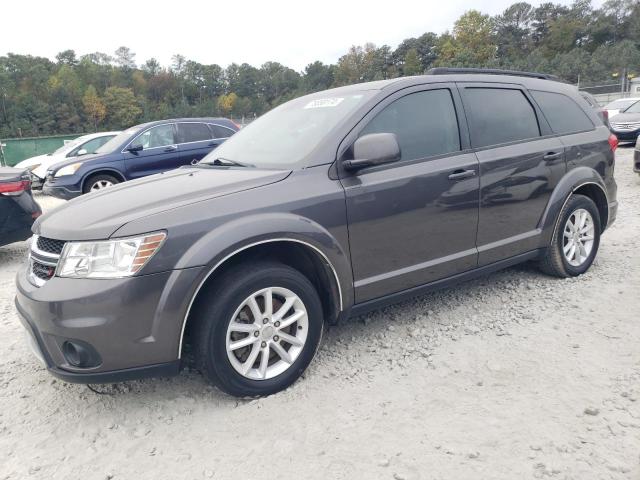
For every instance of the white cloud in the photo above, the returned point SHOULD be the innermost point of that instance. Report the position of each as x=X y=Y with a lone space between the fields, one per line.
x=294 y=33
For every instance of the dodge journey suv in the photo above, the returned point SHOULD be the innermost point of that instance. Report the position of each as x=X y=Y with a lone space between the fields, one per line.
x=328 y=206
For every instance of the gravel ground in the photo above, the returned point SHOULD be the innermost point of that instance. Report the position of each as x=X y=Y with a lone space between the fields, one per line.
x=513 y=376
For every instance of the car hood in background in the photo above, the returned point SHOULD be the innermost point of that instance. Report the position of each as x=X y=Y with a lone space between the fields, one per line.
x=70 y=161
x=98 y=215
x=37 y=160
x=625 y=118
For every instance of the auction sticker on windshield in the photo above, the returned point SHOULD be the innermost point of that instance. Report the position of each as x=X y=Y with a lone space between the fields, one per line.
x=324 y=102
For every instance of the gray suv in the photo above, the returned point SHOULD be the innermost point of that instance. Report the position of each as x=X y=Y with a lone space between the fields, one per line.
x=329 y=206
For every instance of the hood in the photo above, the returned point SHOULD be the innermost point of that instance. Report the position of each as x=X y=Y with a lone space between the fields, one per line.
x=625 y=118
x=57 y=165
x=38 y=159
x=98 y=215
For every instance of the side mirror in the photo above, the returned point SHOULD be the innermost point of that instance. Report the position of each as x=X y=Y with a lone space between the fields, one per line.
x=135 y=147
x=81 y=152
x=374 y=149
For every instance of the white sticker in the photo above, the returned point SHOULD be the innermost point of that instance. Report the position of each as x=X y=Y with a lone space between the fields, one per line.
x=324 y=103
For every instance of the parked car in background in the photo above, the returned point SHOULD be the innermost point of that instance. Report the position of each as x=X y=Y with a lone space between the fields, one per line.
x=615 y=107
x=593 y=103
x=329 y=206
x=18 y=209
x=139 y=151
x=84 y=145
x=636 y=157
x=626 y=125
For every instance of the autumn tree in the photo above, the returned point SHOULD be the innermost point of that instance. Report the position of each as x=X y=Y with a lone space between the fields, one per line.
x=93 y=106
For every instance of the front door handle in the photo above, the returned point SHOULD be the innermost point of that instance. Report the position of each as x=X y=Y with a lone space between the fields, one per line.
x=552 y=156
x=462 y=174
x=171 y=148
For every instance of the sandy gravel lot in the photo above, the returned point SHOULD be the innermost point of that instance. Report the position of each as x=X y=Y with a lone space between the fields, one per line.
x=513 y=376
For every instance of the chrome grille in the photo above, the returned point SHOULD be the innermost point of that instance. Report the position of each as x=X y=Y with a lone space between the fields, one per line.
x=43 y=259
x=50 y=245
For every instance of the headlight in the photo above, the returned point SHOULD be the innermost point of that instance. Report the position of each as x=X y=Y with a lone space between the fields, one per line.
x=109 y=258
x=68 y=170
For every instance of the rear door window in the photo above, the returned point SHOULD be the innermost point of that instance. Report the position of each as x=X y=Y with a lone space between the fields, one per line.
x=425 y=124
x=499 y=115
x=193 y=132
x=564 y=115
x=221 y=132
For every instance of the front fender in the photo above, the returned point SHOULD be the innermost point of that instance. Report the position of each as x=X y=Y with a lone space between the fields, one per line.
x=571 y=181
x=241 y=233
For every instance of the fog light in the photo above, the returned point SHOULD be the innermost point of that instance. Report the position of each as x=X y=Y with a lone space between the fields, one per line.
x=80 y=354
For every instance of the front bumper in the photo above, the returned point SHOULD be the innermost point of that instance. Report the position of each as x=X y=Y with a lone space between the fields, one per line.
x=134 y=324
x=60 y=192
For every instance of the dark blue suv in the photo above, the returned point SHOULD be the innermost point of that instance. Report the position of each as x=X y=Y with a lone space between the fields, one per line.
x=137 y=152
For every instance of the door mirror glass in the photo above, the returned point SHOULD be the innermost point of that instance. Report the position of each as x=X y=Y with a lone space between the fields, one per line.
x=135 y=147
x=374 y=149
x=81 y=152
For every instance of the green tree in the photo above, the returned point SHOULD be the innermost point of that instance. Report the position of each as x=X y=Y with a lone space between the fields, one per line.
x=412 y=65
x=123 y=109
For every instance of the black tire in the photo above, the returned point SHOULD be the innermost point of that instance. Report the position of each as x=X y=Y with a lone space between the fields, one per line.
x=554 y=261
x=214 y=312
x=91 y=181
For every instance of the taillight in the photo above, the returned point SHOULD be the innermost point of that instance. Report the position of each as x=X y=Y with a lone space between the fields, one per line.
x=14 y=188
x=613 y=142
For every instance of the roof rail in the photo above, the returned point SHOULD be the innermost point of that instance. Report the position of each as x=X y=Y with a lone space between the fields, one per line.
x=490 y=71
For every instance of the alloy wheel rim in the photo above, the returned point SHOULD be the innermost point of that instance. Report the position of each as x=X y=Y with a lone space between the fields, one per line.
x=100 y=184
x=267 y=333
x=578 y=237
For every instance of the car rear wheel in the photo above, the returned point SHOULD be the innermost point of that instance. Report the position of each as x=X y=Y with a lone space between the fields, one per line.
x=258 y=329
x=100 y=182
x=576 y=239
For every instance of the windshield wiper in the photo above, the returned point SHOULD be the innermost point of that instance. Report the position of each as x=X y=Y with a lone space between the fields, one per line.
x=226 y=161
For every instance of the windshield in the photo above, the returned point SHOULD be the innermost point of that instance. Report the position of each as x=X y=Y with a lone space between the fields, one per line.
x=285 y=136
x=620 y=104
x=635 y=108
x=70 y=145
x=118 y=140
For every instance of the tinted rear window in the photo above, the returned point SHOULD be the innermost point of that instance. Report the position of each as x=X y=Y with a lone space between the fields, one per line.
x=424 y=122
x=499 y=115
x=564 y=115
x=193 y=132
x=221 y=132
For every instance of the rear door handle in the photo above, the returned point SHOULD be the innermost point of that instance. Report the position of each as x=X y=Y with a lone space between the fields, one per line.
x=552 y=155
x=171 y=148
x=462 y=174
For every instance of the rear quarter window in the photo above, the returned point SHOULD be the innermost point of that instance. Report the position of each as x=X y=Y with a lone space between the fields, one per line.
x=563 y=114
x=499 y=115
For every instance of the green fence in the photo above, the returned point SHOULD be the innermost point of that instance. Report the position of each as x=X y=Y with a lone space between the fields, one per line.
x=14 y=150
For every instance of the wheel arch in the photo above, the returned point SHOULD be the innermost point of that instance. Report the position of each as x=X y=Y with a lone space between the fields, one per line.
x=583 y=181
x=305 y=246
x=102 y=171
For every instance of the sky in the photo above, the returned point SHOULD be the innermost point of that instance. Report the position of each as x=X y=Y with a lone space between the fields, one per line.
x=292 y=32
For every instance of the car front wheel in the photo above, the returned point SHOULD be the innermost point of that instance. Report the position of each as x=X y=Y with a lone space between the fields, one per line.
x=100 y=182
x=258 y=329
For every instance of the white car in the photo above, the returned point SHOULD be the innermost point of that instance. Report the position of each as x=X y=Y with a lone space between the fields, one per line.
x=617 y=106
x=83 y=145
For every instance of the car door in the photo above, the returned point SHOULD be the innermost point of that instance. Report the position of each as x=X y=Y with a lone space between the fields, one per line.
x=521 y=162
x=159 y=152
x=195 y=140
x=413 y=221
